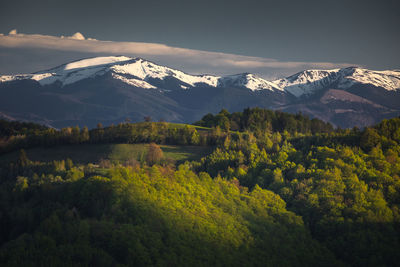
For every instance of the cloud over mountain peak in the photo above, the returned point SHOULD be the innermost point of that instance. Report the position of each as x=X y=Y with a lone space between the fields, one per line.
x=193 y=61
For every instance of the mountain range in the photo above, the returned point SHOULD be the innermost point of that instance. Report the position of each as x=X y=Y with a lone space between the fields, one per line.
x=118 y=88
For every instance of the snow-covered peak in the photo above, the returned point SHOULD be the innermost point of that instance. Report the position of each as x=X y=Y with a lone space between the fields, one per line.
x=389 y=80
x=310 y=81
x=307 y=82
x=71 y=72
x=147 y=70
x=249 y=81
x=309 y=76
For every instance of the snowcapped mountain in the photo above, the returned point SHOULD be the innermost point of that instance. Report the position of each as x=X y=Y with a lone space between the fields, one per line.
x=133 y=71
x=136 y=72
x=111 y=89
x=249 y=81
x=309 y=82
x=139 y=73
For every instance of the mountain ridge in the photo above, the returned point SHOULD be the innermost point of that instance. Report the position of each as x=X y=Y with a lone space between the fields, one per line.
x=297 y=84
x=111 y=89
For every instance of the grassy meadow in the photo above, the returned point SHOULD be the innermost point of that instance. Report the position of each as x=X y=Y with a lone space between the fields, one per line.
x=93 y=153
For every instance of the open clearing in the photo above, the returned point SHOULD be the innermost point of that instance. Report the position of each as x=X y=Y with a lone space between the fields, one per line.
x=93 y=153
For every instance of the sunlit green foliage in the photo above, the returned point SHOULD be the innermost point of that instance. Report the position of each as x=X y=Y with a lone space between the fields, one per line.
x=348 y=193
x=147 y=216
x=277 y=190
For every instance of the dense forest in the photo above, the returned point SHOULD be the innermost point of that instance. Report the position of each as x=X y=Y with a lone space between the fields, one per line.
x=277 y=190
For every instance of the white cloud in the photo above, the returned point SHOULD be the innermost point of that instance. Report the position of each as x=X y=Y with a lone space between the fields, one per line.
x=189 y=60
x=76 y=36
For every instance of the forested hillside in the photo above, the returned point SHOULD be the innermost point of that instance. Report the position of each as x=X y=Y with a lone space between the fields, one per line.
x=276 y=190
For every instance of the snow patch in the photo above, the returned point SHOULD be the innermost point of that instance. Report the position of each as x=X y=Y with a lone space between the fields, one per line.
x=134 y=82
x=7 y=78
x=249 y=81
x=44 y=78
x=91 y=62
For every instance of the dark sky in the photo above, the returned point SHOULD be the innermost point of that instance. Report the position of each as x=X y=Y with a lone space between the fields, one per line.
x=360 y=32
